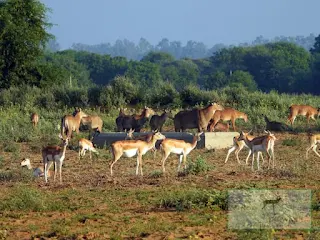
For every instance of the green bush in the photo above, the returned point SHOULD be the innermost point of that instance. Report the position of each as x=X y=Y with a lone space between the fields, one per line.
x=198 y=167
x=195 y=198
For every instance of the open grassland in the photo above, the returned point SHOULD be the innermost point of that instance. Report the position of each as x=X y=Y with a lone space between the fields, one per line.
x=92 y=205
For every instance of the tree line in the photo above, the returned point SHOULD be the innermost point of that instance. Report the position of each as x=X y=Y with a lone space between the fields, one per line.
x=25 y=59
x=192 y=49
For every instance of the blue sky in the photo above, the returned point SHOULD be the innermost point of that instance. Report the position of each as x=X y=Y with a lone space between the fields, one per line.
x=207 y=21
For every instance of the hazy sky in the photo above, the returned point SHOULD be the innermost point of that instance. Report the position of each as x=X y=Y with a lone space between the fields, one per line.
x=208 y=21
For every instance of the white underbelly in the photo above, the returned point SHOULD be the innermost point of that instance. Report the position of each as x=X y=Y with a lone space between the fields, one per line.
x=177 y=150
x=130 y=153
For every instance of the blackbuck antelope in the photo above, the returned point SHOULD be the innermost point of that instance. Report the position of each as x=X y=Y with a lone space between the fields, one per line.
x=314 y=139
x=86 y=145
x=271 y=201
x=238 y=146
x=260 y=144
x=146 y=137
x=131 y=148
x=180 y=147
x=70 y=123
x=54 y=154
x=34 y=119
x=37 y=171
x=228 y=114
x=303 y=110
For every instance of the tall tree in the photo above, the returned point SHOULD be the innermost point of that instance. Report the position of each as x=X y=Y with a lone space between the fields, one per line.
x=316 y=46
x=23 y=37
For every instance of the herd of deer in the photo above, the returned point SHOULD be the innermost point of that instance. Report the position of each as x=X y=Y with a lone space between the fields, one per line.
x=209 y=118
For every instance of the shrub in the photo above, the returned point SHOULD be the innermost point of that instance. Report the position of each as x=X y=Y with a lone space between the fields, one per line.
x=291 y=142
x=198 y=167
x=195 y=198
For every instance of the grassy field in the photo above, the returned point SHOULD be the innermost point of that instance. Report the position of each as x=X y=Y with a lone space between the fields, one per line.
x=90 y=204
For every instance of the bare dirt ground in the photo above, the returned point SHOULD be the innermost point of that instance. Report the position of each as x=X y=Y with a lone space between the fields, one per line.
x=90 y=204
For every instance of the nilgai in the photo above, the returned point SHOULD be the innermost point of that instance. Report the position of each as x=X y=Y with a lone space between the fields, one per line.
x=220 y=127
x=275 y=126
x=34 y=119
x=195 y=118
x=228 y=114
x=156 y=121
x=70 y=123
x=136 y=122
x=303 y=110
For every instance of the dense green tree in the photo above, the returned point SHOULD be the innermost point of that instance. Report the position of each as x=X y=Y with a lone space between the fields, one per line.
x=158 y=57
x=144 y=73
x=316 y=46
x=23 y=37
x=180 y=73
x=243 y=78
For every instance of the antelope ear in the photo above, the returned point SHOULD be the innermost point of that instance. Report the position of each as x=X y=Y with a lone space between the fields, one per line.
x=266 y=131
x=60 y=136
x=250 y=131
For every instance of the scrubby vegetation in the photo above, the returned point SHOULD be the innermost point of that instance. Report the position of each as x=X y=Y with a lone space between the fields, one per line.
x=263 y=79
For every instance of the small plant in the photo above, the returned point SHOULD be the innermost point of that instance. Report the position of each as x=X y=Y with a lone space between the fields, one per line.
x=182 y=200
x=291 y=142
x=198 y=167
x=11 y=147
x=156 y=174
x=1 y=160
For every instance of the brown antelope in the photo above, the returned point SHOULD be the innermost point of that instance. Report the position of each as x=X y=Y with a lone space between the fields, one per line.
x=136 y=122
x=260 y=144
x=303 y=110
x=314 y=139
x=146 y=138
x=70 y=123
x=94 y=123
x=34 y=119
x=86 y=145
x=238 y=146
x=220 y=127
x=37 y=172
x=54 y=154
x=195 y=118
x=228 y=114
x=131 y=148
x=180 y=147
